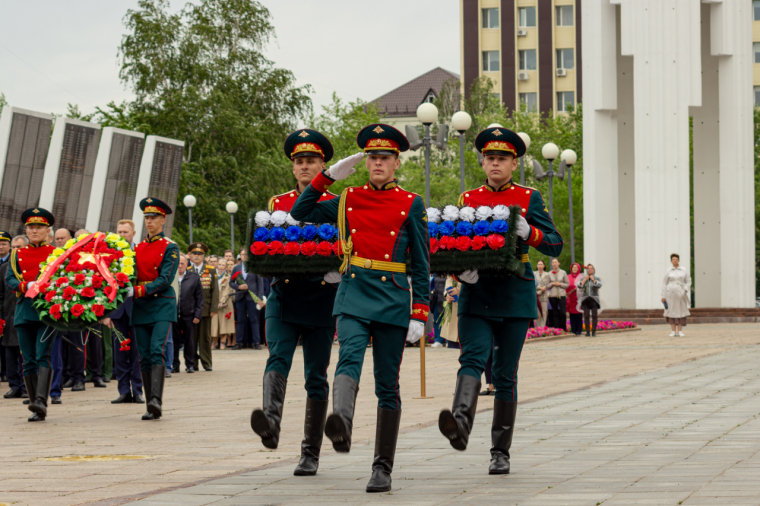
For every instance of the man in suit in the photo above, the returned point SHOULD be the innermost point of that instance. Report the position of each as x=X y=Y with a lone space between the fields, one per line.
x=5 y=255
x=189 y=311
x=210 y=287
x=248 y=311
x=10 y=336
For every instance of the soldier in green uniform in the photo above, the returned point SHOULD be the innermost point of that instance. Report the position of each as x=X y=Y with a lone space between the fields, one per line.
x=155 y=303
x=380 y=225
x=496 y=310
x=299 y=307
x=207 y=273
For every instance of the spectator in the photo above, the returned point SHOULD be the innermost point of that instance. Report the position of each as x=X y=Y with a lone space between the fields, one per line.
x=676 y=295
x=213 y=260
x=223 y=324
x=50 y=237
x=588 y=297
x=229 y=255
x=542 y=289
x=558 y=283
x=189 y=311
x=437 y=294
x=5 y=255
x=13 y=361
x=248 y=311
x=576 y=318
x=450 y=329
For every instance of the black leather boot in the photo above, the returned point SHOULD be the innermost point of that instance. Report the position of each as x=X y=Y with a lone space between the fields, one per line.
x=38 y=401
x=501 y=435
x=313 y=430
x=146 y=387
x=340 y=423
x=157 y=376
x=31 y=388
x=266 y=421
x=386 y=435
x=457 y=423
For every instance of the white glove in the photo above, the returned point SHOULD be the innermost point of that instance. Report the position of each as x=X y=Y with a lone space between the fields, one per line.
x=131 y=292
x=29 y=285
x=333 y=277
x=416 y=329
x=523 y=229
x=469 y=277
x=345 y=167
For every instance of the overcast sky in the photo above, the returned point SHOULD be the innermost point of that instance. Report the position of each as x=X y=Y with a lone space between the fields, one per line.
x=55 y=52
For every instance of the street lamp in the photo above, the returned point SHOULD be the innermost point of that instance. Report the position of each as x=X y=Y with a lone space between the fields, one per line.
x=461 y=122
x=550 y=151
x=427 y=114
x=232 y=208
x=190 y=202
x=569 y=157
x=526 y=140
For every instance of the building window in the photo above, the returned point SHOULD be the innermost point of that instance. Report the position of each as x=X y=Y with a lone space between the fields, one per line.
x=527 y=59
x=530 y=100
x=564 y=15
x=490 y=61
x=756 y=5
x=756 y=50
x=527 y=17
x=496 y=96
x=757 y=96
x=490 y=18
x=565 y=100
x=430 y=98
x=565 y=59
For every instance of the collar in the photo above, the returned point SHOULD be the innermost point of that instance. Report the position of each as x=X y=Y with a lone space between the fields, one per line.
x=5 y=257
x=155 y=238
x=182 y=276
x=387 y=186
x=198 y=267
x=505 y=186
x=32 y=245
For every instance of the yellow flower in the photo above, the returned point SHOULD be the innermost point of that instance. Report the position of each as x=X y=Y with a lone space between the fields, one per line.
x=122 y=244
x=111 y=237
x=128 y=261
x=83 y=237
x=129 y=253
x=128 y=270
x=58 y=252
x=50 y=259
x=69 y=243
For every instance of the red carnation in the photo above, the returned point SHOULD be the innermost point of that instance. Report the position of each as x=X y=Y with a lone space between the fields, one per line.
x=276 y=248
x=97 y=281
x=98 y=309
x=446 y=242
x=495 y=241
x=120 y=277
x=478 y=242
x=88 y=291
x=69 y=292
x=77 y=310
x=292 y=248
x=463 y=243
x=259 y=248
x=324 y=249
x=55 y=311
x=61 y=281
x=337 y=248
x=107 y=290
x=308 y=248
x=228 y=315
x=49 y=296
x=42 y=287
x=79 y=279
x=433 y=245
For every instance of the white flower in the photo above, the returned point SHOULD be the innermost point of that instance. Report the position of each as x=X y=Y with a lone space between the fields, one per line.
x=278 y=218
x=434 y=214
x=500 y=212
x=262 y=219
x=450 y=213
x=291 y=221
x=467 y=214
x=483 y=213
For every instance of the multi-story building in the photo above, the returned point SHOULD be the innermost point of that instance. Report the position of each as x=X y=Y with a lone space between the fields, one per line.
x=756 y=50
x=530 y=49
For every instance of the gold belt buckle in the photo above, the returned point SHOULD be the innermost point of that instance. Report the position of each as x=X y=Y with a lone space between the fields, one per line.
x=367 y=263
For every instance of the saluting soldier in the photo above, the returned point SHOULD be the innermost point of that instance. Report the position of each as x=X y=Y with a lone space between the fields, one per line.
x=299 y=307
x=496 y=310
x=207 y=272
x=380 y=226
x=34 y=338
x=155 y=303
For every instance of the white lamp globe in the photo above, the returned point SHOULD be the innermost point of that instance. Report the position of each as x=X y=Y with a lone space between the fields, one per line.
x=494 y=125
x=569 y=157
x=189 y=201
x=526 y=139
x=427 y=113
x=461 y=121
x=550 y=151
x=231 y=207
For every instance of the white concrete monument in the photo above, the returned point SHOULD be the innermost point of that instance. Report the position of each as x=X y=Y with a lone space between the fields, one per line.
x=648 y=66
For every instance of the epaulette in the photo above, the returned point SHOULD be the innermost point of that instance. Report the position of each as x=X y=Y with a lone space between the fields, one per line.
x=525 y=187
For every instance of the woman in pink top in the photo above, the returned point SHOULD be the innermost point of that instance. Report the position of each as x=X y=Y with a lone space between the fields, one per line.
x=576 y=317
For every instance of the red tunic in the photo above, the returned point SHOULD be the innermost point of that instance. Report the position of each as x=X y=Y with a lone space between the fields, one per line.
x=29 y=259
x=148 y=257
x=286 y=201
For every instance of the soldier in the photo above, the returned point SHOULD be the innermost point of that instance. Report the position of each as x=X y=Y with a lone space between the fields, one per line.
x=380 y=225
x=299 y=307
x=154 y=308
x=207 y=272
x=35 y=338
x=496 y=310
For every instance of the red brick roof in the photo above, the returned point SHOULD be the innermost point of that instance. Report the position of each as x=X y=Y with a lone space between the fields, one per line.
x=404 y=100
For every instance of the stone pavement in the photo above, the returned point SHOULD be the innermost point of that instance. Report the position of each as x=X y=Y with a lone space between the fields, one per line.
x=687 y=434
x=205 y=432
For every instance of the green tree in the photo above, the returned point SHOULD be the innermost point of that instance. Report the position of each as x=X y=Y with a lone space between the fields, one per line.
x=3 y=102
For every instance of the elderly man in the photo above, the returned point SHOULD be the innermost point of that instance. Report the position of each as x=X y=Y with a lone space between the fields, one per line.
x=189 y=311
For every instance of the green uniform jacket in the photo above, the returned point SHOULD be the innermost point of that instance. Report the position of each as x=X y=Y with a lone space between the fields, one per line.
x=301 y=301
x=210 y=287
x=157 y=261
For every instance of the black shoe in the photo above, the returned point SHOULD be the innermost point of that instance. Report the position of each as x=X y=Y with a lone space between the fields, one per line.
x=78 y=387
x=266 y=421
x=44 y=381
x=313 y=430
x=168 y=374
x=190 y=370
x=175 y=369
x=156 y=390
x=236 y=347
x=207 y=369
x=456 y=424
x=26 y=402
x=24 y=395
x=107 y=380
x=99 y=383
x=54 y=399
x=13 y=394
x=588 y=334
x=487 y=391
x=68 y=384
x=148 y=416
x=122 y=399
x=36 y=417
x=503 y=426
x=3 y=379
x=256 y=346
x=340 y=423
x=593 y=334
x=386 y=435
x=138 y=399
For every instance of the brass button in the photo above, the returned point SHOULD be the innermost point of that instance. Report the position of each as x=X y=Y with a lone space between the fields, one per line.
x=353 y=275
x=24 y=272
x=393 y=233
x=350 y=209
x=365 y=186
x=368 y=264
x=292 y=195
x=409 y=196
x=383 y=278
x=524 y=210
x=527 y=191
x=387 y=256
x=351 y=190
x=276 y=200
x=466 y=194
x=403 y=213
x=353 y=230
x=324 y=194
x=323 y=282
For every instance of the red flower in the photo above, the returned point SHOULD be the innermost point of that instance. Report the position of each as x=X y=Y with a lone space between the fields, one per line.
x=77 y=310
x=107 y=290
x=446 y=242
x=324 y=248
x=495 y=241
x=79 y=279
x=259 y=248
x=122 y=278
x=228 y=315
x=276 y=248
x=478 y=242
x=309 y=248
x=88 y=291
x=43 y=287
x=49 y=296
x=433 y=245
x=463 y=243
x=292 y=248
x=55 y=311
x=89 y=266
x=98 y=309
x=69 y=292
x=97 y=281
x=61 y=281
x=337 y=248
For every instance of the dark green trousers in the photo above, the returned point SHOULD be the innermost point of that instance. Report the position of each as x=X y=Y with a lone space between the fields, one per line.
x=478 y=334
x=107 y=352
x=387 y=351
x=35 y=340
x=151 y=340
x=282 y=339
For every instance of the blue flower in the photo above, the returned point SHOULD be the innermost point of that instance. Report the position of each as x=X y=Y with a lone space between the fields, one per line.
x=464 y=228
x=277 y=233
x=432 y=229
x=293 y=233
x=482 y=227
x=499 y=226
x=446 y=228
x=309 y=231
x=326 y=232
x=261 y=234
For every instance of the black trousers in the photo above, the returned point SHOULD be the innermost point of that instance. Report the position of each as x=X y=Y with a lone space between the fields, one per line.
x=182 y=333
x=3 y=368
x=73 y=359
x=556 y=317
x=95 y=355
x=576 y=323
x=14 y=367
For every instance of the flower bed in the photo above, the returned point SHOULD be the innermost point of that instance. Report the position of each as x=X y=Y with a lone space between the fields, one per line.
x=601 y=326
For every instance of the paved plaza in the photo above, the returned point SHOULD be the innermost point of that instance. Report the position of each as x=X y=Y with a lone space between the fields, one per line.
x=628 y=418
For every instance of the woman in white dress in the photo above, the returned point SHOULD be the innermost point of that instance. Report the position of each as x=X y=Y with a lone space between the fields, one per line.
x=676 y=295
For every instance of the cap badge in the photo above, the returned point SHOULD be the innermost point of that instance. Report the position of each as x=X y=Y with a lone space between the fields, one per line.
x=496 y=133
x=304 y=134
x=149 y=200
x=36 y=211
x=378 y=130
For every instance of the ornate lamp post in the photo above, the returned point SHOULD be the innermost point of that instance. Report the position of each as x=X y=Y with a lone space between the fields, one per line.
x=461 y=121
x=526 y=139
x=232 y=208
x=569 y=157
x=190 y=202
x=427 y=114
